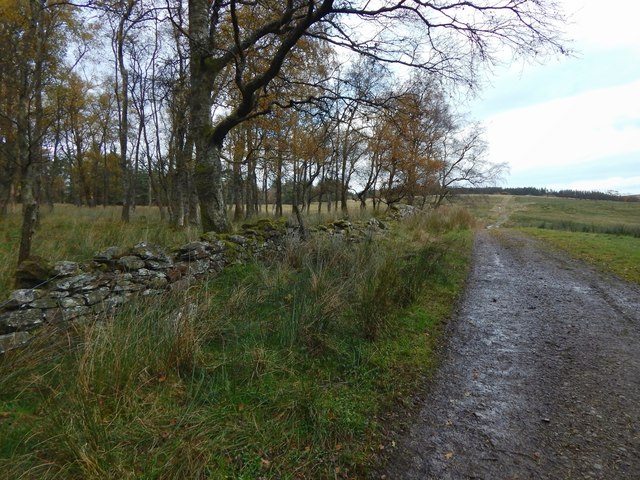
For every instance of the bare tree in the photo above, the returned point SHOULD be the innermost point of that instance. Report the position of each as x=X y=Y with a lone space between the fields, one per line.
x=465 y=162
x=241 y=47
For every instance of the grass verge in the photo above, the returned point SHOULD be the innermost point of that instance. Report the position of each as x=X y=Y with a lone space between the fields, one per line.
x=268 y=371
x=612 y=253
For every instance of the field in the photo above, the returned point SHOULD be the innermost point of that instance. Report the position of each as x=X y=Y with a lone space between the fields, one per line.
x=603 y=233
x=294 y=369
x=77 y=233
x=589 y=216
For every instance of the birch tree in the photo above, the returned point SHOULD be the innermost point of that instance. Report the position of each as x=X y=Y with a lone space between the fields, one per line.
x=240 y=47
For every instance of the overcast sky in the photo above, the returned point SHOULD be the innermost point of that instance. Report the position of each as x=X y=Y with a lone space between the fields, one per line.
x=572 y=122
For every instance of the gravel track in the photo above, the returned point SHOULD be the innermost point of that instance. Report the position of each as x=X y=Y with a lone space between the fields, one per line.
x=541 y=376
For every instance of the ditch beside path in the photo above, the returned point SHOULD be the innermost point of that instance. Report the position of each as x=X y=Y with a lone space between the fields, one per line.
x=541 y=376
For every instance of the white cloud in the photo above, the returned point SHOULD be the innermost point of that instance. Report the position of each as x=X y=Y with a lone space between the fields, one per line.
x=623 y=185
x=603 y=25
x=570 y=131
x=574 y=122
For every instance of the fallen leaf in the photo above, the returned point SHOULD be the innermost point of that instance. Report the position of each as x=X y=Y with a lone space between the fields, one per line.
x=338 y=446
x=265 y=464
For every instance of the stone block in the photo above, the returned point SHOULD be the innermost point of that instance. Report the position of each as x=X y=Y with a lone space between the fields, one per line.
x=22 y=297
x=13 y=340
x=21 y=320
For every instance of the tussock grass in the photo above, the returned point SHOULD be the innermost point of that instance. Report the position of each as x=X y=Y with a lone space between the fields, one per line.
x=268 y=371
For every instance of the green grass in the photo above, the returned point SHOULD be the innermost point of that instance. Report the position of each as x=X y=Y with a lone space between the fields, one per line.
x=268 y=371
x=587 y=216
x=77 y=233
x=612 y=253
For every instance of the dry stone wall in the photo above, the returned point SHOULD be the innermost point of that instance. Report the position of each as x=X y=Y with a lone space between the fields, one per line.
x=68 y=291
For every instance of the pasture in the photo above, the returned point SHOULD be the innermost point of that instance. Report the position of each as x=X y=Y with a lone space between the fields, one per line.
x=603 y=233
x=568 y=214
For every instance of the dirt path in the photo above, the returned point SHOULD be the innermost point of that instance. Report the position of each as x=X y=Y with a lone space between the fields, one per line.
x=541 y=377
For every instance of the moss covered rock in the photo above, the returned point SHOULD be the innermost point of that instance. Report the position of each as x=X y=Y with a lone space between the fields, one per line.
x=33 y=272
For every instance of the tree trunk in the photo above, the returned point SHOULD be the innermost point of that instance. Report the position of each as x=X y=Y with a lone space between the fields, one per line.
x=251 y=190
x=194 y=205
x=208 y=183
x=122 y=94
x=208 y=167
x=26 y=153
x=279 y=185
x=30 y=136
x=238 y=213
x=29 y=220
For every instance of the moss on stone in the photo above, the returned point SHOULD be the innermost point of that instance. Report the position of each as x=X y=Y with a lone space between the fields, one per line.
x=210 y=237
x=266 y=225
x=33 y=271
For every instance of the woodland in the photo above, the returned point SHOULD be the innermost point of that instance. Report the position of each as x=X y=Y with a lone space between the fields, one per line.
x=213 y=110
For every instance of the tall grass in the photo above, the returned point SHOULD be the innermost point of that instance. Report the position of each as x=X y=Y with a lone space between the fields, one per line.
x=77 y=233
x=268 y=371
